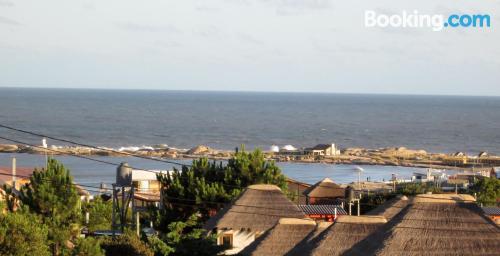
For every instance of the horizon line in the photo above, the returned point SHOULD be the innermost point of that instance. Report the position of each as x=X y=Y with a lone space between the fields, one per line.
x=251 y=91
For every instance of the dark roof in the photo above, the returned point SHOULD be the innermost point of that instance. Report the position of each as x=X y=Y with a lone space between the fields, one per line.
x=326 y=189
x=258 y=208
x=282 y=238
x=321 y=147
x=322 y=209
x=491 y=210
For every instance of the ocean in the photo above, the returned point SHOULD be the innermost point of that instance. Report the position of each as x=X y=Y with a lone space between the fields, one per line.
x=225 y=120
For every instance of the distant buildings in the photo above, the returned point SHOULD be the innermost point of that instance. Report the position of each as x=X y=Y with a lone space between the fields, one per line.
x=320 y=150
x=323 y=150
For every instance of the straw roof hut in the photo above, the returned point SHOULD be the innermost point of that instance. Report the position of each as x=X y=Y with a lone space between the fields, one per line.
x=258 y=208
x=434 y=224
x=254 y=212
x=324 y=190
x=282 y=238
x=345 y=233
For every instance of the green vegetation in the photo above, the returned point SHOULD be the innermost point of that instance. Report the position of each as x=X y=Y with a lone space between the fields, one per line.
x=47 y=217
x=487 y=191
x=52 y=196
x=370 y=202
x=88 y=246
x=22 y=233
x=205 y=186
x=414 y=188
x=127 y=244
x=209 y=185
x=100 y=213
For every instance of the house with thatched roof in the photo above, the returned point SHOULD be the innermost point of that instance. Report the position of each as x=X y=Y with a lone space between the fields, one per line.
x=282 y=238
x=444 y=224
x=324 y=192
x=255 y=211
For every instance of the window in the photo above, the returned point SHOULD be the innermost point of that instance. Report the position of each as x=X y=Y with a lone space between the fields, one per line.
x=227 y=240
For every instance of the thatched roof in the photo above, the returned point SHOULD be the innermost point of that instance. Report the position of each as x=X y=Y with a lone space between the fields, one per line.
x=391 y=207
x=444 y=198
x=326 y=189
x=442 y=228
x=345 y=233
x=281 y=238
x=309 y=242
x=258 y=208
x=434 y=224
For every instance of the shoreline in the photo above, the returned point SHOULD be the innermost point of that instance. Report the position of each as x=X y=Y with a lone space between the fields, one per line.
x=400 y=156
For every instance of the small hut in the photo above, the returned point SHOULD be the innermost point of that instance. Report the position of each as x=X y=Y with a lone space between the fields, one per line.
x=282 y=238
x=255 y=211
x=324 y=192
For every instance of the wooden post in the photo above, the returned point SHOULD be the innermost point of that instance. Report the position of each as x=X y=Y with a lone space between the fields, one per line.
x=137 y=224
x=14 y=171
x=359 y=202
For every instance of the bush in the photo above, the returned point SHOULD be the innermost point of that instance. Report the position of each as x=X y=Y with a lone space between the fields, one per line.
x=22 y=233
x=127 y=244
x=88 y=246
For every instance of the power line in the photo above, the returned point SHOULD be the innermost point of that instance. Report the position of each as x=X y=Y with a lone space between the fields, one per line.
x=91 y=146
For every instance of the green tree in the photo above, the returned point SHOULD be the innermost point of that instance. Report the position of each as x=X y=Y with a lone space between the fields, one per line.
x=22 y=233
x=127 y=244
x=209 y=185
x=52 y=195
x=199 y=189
x=100 y=214
x=488 y=191
x=87 y=247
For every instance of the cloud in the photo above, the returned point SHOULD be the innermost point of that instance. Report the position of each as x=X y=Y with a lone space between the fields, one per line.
x=167 y=44
x=7 y=21
x=298 y=7
x=149 y=28
x=207 y=31
x=89 y=6
x=206 y=8
x=249 y=39
x=6 y=3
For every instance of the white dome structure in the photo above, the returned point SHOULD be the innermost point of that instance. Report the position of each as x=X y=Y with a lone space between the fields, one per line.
x=274 y=149
x=288 y=148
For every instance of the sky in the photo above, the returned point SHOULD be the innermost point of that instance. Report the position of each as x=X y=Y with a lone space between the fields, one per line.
x=245 y=45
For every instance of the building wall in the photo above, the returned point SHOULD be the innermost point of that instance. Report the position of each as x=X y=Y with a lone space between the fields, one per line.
x=241 y=239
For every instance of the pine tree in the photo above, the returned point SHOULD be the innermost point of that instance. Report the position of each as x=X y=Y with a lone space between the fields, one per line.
x=52 y=195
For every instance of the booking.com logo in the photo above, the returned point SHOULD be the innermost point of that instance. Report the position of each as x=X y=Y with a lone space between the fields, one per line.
x=436 y=22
